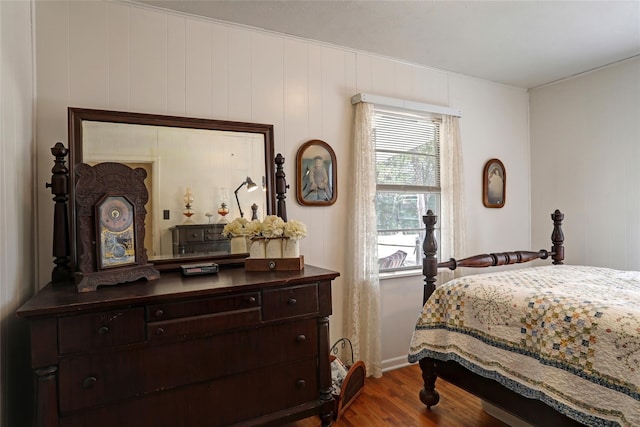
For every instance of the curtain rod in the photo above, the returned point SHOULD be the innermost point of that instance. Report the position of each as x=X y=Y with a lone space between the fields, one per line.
x=401 y=103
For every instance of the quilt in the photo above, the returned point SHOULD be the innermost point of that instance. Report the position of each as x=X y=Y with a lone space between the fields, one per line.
x=566 y=335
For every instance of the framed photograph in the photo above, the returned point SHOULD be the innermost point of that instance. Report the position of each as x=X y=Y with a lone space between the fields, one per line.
x=316 y=174
x=494 y=184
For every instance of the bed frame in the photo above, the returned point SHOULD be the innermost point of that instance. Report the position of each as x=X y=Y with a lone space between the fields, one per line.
x=529 y=410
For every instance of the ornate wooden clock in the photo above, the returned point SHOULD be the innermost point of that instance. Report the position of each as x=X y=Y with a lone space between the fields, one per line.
x=110 y=213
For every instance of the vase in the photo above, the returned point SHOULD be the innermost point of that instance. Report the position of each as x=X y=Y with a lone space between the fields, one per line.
x=257 y=248
x=274 y=248
x=290 y=248
x=238 y=245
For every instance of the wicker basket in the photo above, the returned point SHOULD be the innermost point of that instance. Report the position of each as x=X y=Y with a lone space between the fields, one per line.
x=353 y=382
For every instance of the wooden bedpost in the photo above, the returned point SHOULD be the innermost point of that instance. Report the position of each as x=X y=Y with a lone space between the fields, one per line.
x=430 y=261
x=557 y=237
x=281 y=188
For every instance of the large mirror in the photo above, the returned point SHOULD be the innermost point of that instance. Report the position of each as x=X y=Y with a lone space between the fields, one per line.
x=199 y=176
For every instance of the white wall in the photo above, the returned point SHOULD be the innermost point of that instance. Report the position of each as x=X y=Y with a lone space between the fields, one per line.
x=585 y=155
x=17 y=212
x=126 y=57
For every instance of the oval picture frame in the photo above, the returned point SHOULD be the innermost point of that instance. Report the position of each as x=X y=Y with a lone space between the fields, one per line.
x=494 y=184
x=316 y=174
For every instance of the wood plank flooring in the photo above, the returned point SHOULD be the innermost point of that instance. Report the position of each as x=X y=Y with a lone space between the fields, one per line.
x=393 y=401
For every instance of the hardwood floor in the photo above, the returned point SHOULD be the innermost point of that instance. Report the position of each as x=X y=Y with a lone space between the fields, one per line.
x=393 y=401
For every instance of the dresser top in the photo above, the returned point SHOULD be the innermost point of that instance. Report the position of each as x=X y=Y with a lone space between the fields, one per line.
x=198 y=226
x=64 y=298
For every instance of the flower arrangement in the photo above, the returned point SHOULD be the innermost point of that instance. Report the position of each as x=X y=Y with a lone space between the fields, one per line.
x=253 y=228
x=294 y=230
x=273 y=237
x=235 y=228
x=272 y=226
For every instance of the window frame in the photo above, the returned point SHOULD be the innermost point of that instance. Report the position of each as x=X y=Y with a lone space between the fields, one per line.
x=406 y=190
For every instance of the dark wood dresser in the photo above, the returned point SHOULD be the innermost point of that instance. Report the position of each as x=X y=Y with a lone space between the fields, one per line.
x=197 y=238
x=233 y=348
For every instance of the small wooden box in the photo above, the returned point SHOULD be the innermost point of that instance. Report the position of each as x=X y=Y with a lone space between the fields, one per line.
x=274 y=264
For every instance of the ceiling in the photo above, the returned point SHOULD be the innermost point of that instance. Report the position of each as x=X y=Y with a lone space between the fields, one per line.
x=520 y=43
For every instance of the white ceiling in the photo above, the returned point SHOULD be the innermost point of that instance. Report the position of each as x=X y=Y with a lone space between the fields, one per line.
x=520 y=43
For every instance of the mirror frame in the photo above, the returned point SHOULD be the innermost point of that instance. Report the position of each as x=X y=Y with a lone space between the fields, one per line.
x=77 y=115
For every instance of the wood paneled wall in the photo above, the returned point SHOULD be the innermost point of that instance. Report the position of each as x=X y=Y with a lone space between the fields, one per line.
x=121 y=56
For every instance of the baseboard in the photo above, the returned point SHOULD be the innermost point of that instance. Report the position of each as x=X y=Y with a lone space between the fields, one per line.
x=395 y=363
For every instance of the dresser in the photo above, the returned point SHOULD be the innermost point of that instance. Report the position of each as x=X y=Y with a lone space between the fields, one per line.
x=235 y=348
x=199 y=238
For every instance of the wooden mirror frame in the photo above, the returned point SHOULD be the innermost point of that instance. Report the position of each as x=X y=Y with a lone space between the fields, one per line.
x=308 y=151
x=77 y=115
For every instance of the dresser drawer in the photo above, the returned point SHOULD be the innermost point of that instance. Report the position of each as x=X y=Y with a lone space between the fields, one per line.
x=193 y=235
x=86 y=381
x=227 y=401
x=290 y=302
x=207 y=324
x=213 y=234
x=100 y=330
x=197 y=307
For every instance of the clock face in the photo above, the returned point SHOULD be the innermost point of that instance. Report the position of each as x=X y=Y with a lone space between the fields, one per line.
x=116 y=232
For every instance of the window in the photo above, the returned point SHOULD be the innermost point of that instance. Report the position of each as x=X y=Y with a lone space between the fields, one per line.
x=407 y=148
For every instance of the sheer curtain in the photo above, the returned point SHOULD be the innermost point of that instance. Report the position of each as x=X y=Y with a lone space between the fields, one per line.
x=363 y=296
x=452 y=218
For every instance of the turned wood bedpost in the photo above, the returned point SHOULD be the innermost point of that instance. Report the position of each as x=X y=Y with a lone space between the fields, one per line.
x=281 y=188
x=429 y=261
x=557 y=237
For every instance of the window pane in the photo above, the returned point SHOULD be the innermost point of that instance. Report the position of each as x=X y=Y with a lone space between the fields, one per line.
x=400 y=226
x=407 y=169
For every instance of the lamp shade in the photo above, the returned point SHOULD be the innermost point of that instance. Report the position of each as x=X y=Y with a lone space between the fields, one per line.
x=251 y=186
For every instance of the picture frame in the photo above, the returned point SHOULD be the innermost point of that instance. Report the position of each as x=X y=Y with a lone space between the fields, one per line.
x=110 y=200
x=316 y=174
x=494 y=184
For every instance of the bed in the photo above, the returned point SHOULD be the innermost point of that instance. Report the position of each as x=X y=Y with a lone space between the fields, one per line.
x=555 y=345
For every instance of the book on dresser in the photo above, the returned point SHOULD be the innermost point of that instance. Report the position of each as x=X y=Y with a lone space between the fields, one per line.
x=233 y=348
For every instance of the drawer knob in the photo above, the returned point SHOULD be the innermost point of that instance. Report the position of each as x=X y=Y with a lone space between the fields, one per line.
x=194 y=235
x=292 y=301
x=103 y=330
x=301 y=338
x=301 y=383
x=89 y=382
x=252 y=300
x=160 y=331
x=159 y=312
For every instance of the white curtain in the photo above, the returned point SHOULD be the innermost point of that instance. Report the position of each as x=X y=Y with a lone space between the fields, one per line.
x=452 y=218
x=363 y=296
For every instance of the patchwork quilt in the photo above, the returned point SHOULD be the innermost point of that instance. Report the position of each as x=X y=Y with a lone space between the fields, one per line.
x=566 y=335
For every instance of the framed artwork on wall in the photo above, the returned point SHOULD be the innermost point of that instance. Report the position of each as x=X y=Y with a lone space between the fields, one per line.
x=316 y=174
x=494 y=184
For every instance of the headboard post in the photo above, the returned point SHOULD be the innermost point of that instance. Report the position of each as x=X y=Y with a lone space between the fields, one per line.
x=281 y=188
x=557 y=237
x=430 y=261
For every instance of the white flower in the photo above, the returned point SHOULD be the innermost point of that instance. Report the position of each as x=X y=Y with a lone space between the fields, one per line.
x=272 y=226
x=235 y=228
x=253 y=228
x=295 y=230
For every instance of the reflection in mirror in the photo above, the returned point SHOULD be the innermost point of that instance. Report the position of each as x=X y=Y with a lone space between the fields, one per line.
x=193 y=167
